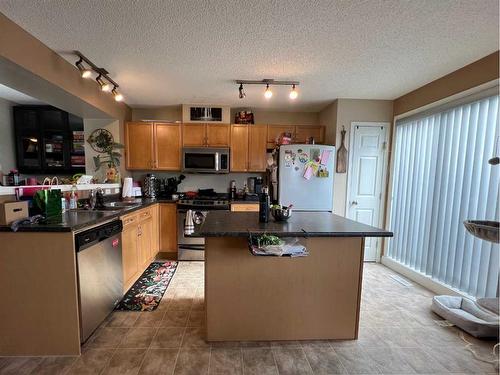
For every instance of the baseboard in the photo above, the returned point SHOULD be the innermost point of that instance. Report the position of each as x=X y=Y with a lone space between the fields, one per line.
x=166 y=256
x=425 y=281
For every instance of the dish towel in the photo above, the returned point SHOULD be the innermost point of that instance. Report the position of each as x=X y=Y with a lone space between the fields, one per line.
x=188 y=223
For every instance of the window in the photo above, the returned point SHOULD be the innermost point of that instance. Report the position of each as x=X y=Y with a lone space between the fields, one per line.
x=441 y=177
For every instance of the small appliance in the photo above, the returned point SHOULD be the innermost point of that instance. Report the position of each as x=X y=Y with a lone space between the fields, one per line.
x=205 y=160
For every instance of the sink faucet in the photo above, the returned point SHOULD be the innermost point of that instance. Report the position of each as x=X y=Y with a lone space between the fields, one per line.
x=96 y=198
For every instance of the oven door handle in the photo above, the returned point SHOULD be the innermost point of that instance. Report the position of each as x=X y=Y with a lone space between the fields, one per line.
x=216 y=161
x=192 y=247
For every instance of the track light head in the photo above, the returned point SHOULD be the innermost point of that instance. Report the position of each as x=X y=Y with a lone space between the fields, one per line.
x=242 y=93
x=293 y=94
x=86 y=73
x=117 y=95
x=105 y=86
x=268 y=93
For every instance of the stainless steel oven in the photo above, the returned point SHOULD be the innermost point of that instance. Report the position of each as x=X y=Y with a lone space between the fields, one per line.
x=205 y=160
x=190 y=248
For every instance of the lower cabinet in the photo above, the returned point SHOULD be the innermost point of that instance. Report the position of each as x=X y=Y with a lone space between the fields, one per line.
x=168 y=228
x=130 y=260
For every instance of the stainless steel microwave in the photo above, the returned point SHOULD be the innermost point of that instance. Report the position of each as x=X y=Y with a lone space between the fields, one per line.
x=205 y=160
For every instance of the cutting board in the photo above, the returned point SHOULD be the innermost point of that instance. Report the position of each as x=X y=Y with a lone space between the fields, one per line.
x=342 y=154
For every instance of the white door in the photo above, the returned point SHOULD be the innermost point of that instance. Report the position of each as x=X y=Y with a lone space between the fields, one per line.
x=365 y=179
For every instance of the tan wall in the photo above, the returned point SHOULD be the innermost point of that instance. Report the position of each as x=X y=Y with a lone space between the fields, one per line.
x=348 y=111
x=167 y=113
x=328 y=118
x=472 y=75
x=285 y=118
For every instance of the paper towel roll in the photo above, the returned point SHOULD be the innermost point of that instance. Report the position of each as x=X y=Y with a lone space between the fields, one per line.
x=127 y=187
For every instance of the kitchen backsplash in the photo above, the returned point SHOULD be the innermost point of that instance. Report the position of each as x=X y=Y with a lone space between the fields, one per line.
x=193 y=182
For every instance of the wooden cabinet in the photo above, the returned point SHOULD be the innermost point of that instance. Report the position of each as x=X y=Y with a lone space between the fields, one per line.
x=275 y=131
x=248 y=148
x=205 y=135
x=139 y=145
x=153 y=146
x=244 y=207
x=167 y=146
x=303 y=133
x=138 y=243
x=168 y=227
x=155 y=242
x=193 y=135
x=257 y=150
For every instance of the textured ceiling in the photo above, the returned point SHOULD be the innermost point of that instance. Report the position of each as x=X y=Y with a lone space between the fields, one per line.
x=170 y=52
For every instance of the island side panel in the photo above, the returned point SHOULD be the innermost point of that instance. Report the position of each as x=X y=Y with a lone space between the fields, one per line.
x=39 y=290
x=280 y=298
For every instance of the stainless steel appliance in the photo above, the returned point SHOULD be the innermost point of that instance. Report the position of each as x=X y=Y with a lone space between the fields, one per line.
x=205 y=160
x=193 y=248
x=100 y=276
x=150 y=186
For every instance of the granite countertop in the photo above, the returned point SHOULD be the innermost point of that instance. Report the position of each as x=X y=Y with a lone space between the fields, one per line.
x=75 y=220
x=301 y=224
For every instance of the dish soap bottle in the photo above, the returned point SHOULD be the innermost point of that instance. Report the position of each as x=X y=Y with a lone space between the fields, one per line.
x=264 y=205
x=73 y=198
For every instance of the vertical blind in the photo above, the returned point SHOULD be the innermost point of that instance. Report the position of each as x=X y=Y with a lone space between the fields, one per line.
x=441 y=177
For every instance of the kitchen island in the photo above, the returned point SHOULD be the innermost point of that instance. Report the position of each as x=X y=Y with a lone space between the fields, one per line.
x=256 y=298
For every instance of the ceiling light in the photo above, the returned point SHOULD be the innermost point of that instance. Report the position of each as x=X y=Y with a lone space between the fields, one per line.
x=105 y=86
x=268 y=93
x=293 y=93
x=117 y=95
x=86 y=73
x=242 y=93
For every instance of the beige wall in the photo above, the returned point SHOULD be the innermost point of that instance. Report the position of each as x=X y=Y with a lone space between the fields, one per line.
x=89 y=125
x=7 y=144
x=166 y=113
x=348 y=111
x=328 y=118
x=472 y=75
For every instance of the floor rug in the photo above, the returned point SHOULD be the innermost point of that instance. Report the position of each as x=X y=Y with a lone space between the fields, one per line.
x=146 y=293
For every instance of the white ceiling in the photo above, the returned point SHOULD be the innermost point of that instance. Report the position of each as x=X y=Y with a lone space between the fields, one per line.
x=171 y=52
x=17 y=97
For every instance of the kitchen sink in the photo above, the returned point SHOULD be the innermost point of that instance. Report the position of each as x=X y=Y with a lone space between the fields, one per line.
x=483 y=229
x=119 y=205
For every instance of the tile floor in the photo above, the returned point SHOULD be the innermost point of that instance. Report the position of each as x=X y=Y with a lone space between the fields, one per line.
x=398 y=335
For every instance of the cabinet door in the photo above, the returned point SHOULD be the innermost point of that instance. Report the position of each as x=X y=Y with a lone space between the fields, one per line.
x=239 y=148
x=167 y=138
x=303 y=133
x=168 y=227
x=129 y=255
x=145 y=240
x=257 y=140
x=194 y=135
x=139 y=145
x=155 y=241
x=275 y=131
x=218 y=135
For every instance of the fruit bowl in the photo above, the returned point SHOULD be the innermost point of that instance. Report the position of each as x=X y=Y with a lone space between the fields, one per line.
x=281 y=214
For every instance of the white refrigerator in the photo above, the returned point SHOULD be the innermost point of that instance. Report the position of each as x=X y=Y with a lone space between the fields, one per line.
x=305 y=177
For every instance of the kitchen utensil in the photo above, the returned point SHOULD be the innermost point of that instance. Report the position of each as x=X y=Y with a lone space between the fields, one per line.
x=281 y=214
x=342 y=154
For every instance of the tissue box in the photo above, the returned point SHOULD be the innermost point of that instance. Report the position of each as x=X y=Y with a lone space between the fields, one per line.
x=12 y=211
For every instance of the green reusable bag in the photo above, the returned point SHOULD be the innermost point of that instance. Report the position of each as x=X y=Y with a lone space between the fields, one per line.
x=48 y=202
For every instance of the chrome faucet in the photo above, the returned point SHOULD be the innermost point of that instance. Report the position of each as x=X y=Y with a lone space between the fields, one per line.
x=96 y=198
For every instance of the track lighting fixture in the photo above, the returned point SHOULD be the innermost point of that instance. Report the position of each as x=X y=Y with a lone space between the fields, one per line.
x=242 y=93
x=117 y=95
x=268 y=93
x=86 y=73
x=105 y=82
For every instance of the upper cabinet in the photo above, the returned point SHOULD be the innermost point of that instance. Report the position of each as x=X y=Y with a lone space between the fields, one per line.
x=248 y=148
x=205 y=135
x=299 y=133
x=153 y=146
x=48 y=140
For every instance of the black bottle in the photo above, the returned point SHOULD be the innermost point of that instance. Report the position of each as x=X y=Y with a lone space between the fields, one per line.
x=264 y=205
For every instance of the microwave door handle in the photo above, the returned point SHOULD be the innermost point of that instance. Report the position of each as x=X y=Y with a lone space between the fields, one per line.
x=216 y=161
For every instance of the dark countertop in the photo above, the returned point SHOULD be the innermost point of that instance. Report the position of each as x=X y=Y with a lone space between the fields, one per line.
x=74 y=220
x=301 y=224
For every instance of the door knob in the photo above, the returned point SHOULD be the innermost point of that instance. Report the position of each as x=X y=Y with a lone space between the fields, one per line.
x=354 y=203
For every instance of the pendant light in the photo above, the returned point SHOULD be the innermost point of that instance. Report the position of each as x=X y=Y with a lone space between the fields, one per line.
x=293 y=94
x=86 y=73
x=118 y=97
x=268 y=94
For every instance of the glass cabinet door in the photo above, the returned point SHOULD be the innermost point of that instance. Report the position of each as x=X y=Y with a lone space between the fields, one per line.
x=53 y=150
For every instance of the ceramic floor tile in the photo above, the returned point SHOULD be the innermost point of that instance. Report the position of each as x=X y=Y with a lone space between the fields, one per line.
x=458 y=359
x=91 y=362
x=176 y=318
x=291 y=361
x=107 y=337
x=192 y=361
x=324 y=360
x=19 y=365
x=122 y=318
x=422 y=362
x=54 y=365
x=125 y=362
x=226 y=361
x=180 y=304
x=390 y=360
x=159 y=361
x=356 y=361
x=138 y=338
x=259 y=361
x=170 y=337
x=149 y=318
x=194 y=337
x=196 y=318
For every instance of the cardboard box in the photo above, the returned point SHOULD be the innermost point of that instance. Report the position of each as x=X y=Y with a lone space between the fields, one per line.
x=12 y=211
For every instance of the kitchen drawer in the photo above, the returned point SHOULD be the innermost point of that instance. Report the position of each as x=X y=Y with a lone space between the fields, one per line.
x=130 y=219
x=145 y=213
x=245 y=207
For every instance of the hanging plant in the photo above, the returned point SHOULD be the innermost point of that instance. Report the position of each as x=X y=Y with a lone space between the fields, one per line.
x=103 y=142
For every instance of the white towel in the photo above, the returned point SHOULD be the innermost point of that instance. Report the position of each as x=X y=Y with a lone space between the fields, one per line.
x=127 y=187
x=188 y=223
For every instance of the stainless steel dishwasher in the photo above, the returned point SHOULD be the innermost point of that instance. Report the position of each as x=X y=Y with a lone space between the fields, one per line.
x=100 y=276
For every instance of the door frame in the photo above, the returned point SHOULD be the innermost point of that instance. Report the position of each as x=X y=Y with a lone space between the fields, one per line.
x=387 y=126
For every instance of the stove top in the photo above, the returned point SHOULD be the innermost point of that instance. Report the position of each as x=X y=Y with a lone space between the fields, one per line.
x=212 y=201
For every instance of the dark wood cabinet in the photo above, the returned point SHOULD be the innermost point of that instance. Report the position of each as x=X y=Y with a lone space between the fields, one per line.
x=48 y=140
